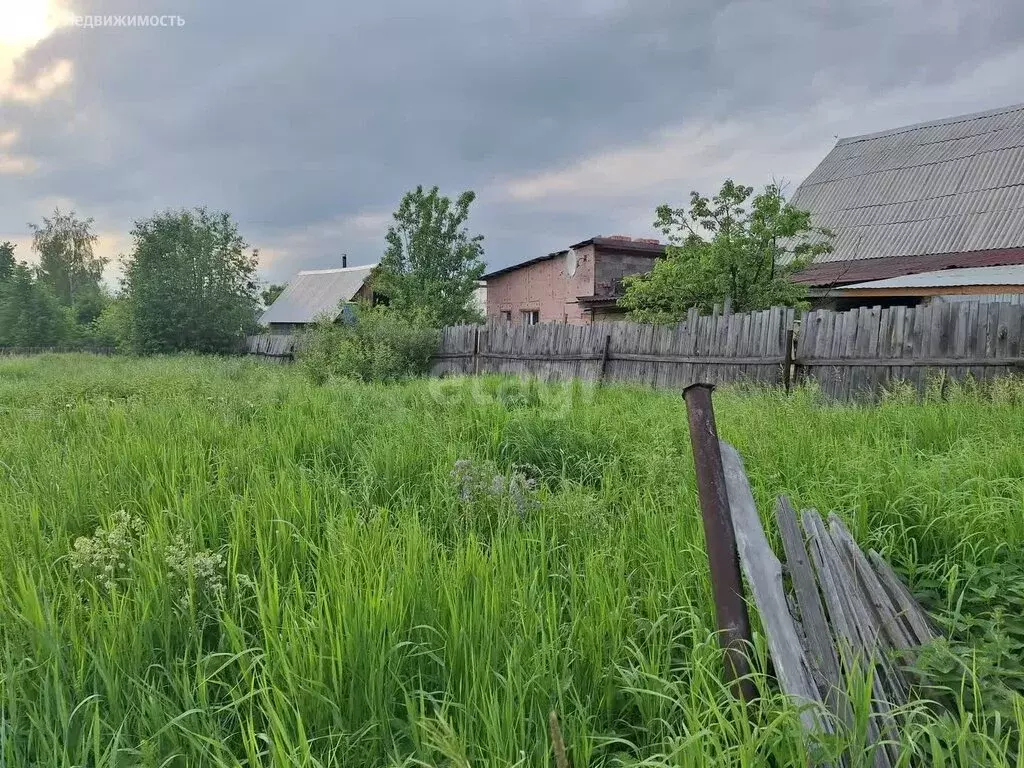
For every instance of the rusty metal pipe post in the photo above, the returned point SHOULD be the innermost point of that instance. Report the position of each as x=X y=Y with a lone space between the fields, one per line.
x=726 y=582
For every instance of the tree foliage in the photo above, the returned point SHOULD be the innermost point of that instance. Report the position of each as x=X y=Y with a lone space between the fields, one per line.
x=189 y=283
x=7 y=262
x=432 y=264
x=30 y=315
x=269 y=294
x=731 y=246
x=67 y=263
x=112 y=328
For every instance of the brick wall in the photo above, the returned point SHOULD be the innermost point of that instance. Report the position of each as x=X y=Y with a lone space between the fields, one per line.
x=544 y=286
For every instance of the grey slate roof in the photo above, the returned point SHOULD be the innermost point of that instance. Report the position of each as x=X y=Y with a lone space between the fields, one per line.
x=951 y=278
x=315 y=292
x=948 y=186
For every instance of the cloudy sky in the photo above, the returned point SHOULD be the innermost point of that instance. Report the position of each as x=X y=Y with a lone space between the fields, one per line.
x=307 y=120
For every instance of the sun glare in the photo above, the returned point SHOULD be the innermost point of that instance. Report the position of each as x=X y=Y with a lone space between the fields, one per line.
x=23 y=23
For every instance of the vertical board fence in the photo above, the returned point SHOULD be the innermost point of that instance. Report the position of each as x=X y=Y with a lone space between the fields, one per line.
x=275 y=347
x=715 y=349
x=60 y=350
x=852 y=355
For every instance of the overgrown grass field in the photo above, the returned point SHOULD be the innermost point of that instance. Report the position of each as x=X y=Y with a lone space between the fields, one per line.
x=216 y=563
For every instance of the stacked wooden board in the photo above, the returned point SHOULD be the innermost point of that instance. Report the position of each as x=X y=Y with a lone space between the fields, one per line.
x=846 y=618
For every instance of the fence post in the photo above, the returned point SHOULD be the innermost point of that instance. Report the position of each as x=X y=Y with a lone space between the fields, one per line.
x=787 y=363
x=726 y=584
x=604 y=358
x=476 y=351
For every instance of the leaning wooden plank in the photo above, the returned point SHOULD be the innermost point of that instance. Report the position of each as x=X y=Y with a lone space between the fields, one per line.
x=874 y=613
x=898 y=633
x=812 y=613
x=867 y=627
x=764 y=574
x=890 y=687
x=910 y=610
x=843 y=618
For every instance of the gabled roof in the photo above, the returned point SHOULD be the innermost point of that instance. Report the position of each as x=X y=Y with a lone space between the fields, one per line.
x=948 y=186
x=315 y=292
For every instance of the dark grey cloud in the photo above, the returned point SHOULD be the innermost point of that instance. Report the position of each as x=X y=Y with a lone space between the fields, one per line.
x=309 y=120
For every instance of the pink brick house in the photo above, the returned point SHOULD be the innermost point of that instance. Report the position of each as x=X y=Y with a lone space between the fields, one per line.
x=578 y=285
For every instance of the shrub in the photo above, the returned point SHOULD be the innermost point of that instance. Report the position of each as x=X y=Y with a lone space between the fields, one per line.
x=378 y=344
x=112 y=327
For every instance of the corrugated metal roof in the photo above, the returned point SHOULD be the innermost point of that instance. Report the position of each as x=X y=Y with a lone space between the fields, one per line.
x=835 y=273
x=953 y=185
x=950 y=278
x=315 y=292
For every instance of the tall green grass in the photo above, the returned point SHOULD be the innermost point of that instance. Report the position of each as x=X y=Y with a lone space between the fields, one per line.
x=361 y=614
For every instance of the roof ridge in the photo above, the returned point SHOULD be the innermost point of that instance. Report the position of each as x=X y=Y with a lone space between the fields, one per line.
x=931 y=124
x=336 y=269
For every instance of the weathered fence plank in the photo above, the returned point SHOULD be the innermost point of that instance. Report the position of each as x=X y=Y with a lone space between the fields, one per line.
x=811 y=611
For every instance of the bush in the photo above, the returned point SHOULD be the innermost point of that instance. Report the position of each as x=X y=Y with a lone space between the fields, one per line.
x=378 y=344
x=112 y=327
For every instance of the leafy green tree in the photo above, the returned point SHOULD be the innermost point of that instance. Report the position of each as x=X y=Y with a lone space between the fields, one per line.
x=7 y=262
x=432 y=264
x=66 y=260
x=30 y=315
x=270 y=293
x=189 y=283
x=730 y=247
x=112 y=328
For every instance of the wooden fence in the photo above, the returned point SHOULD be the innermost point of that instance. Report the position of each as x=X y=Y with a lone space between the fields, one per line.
x=275 y=347
x=852 y=354
x=22 y=351
x=716 y=349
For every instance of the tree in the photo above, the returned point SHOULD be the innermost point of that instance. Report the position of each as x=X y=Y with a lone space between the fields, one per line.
x=30 y=315
x=66 y=260
x=722 y=249
x=7 y=262
x=270 y=293
x=189 y=283
x=432 y=264
x=112 y=327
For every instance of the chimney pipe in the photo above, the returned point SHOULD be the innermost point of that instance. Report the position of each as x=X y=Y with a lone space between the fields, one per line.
x=344 y=260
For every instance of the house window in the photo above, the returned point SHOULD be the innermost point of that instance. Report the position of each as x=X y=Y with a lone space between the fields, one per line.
x=506 y=317
x=531 y=316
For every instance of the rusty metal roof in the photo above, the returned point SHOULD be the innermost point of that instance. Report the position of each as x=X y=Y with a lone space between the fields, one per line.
x=316 y=292
x=949 y=186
